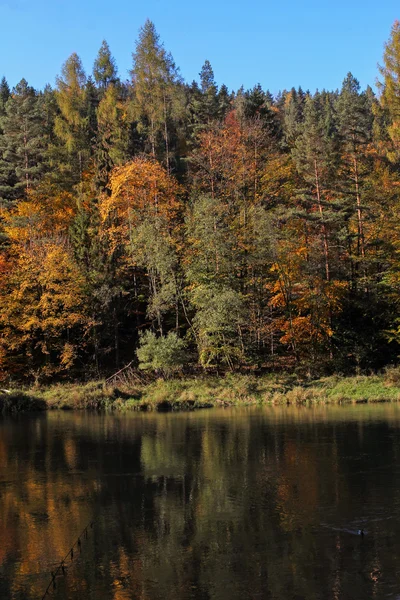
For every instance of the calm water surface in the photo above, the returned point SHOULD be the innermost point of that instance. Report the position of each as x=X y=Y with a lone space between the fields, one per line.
x=218 y=504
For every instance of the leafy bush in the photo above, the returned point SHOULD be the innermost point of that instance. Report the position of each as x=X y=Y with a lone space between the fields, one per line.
x=164 y=355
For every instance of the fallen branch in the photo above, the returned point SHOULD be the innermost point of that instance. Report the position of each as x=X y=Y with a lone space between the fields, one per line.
x=109 y=379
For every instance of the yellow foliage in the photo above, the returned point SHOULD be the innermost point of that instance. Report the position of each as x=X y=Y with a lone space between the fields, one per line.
x=47 y=213
x=139 y=189
x=41 y=301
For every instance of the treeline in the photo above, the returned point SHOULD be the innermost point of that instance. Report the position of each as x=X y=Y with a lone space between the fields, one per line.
x=197 y=225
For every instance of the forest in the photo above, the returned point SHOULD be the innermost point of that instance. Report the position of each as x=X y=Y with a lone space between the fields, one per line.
x=188 y=227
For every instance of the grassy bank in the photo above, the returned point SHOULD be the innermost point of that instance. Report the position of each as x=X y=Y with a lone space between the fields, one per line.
x=205 y=392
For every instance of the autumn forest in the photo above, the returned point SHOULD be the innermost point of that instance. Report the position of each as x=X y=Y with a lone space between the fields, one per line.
x=185 y=226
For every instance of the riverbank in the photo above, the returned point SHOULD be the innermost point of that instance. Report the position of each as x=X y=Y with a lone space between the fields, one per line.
x=205 y=392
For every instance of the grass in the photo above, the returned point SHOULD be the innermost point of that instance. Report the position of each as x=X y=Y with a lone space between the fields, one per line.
x=207 y=391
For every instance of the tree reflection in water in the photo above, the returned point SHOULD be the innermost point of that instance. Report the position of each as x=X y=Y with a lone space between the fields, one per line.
x=220 y=504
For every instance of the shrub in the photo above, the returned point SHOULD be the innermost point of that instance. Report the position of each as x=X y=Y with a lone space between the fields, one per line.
x=164 y=355
x=392 y=376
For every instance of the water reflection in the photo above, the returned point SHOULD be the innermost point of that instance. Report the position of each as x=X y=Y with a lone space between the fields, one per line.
x=220 y=504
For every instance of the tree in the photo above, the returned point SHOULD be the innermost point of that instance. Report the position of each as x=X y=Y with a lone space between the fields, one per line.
x=390 y=88
x=157 y=99
x=206 y=106
x=139 y=189
x=211 y=259
x=218 y=322
x=293 y=114
x=112 y=135
x=165 y=354
x=140 y=221
x=355 y=128
x=315 y=155
x=47 y=213
x=4 y=94
x=104 y=69
x=22 y=145
x=72 y=124
x=42 y=312
x=209 y=243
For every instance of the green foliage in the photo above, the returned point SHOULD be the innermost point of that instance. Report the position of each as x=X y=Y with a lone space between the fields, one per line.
x=112 y=135
x=390 y=89
x=220 y=315
x=4 y=94
x=263 y=230
x=157 y=98
x=164 y=355
x=104 y=68
x=72 y=125
x=22 y=144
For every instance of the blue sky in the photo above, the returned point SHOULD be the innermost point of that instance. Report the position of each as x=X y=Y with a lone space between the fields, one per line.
x=277 y=43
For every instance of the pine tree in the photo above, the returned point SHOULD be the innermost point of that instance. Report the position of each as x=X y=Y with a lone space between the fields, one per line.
x=204 y=103
x=293 y=115
x=355 y=127
x=92 y=102
x=209 y=89
x=315 y=156
x=224 y=102
x=4 y=95
x=104 y=69
x=257 y=108
x=112 y=136
x=22 y=145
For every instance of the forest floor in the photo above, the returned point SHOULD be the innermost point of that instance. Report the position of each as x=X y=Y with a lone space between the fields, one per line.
x=205 y=392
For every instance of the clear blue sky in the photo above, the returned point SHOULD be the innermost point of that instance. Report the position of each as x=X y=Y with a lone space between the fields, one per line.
x=280 y=44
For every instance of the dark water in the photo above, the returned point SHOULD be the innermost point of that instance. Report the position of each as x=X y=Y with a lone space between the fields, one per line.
x=219 y=504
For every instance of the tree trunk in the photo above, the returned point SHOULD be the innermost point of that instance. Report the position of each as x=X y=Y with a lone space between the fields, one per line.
x=361 y=245
x=166 y=135
x=323 y=226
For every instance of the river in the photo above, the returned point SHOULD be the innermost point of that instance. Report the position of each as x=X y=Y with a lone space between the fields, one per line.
x=219 y=504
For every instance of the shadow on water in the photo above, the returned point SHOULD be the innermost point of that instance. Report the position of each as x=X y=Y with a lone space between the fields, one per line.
x=17 y=402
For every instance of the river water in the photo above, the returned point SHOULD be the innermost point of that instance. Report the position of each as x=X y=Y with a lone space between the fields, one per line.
x=221 y=504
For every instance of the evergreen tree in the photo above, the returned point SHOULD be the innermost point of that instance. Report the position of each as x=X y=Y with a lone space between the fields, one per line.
x=4 y=95
x=104 y=69
x=257 y=107
x=92 y=101
x=22 y=145
x=315 y=154
x=49 y=108
x=209 y=105
x=355 y=126
x=113 y=135
x=224 y=101
x=293 y=115
x=204 y=101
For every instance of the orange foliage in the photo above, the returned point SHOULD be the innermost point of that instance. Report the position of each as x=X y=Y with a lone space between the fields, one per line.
x=41 y=302
x=48 y=213
x=139 y=189
x=228 y=161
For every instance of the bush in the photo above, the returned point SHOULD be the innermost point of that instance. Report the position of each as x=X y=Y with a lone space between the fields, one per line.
x=392 y=376
x=164 y=355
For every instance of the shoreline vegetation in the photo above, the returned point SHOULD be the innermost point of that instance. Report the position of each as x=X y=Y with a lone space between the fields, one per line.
x=205 y=392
